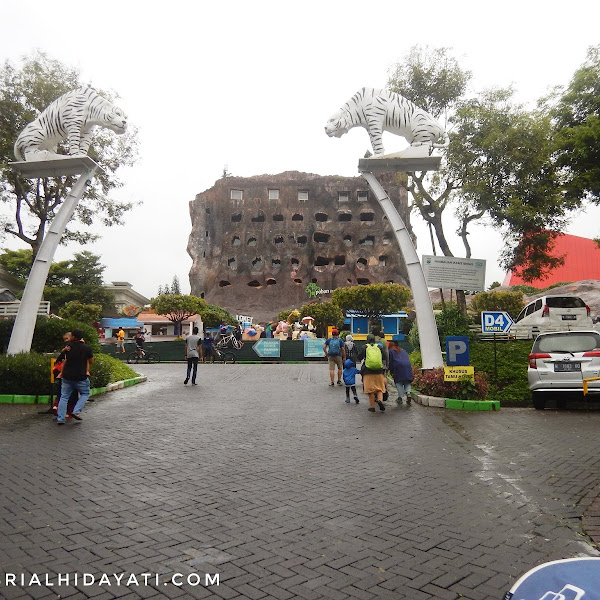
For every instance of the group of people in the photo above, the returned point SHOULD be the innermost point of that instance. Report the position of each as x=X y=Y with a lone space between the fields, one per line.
x=377 y=360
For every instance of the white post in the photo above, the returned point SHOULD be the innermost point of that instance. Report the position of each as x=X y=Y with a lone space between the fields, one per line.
x=22 y=333
x=431 y=353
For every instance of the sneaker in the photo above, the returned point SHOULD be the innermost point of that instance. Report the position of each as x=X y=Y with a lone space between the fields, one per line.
x=340 y=383
x=371 y=409
x=347 y=400
x=381 y=406
x=185 y=381
x=194 y=383
x=76 y=417
x=356 y=400
x=332 y=384
x=60 y=422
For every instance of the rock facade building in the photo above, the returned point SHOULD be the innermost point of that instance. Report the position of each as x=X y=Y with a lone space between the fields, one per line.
x=257 y=242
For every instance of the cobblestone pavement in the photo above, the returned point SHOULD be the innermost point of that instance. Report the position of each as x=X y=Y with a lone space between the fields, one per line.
x=263 y=475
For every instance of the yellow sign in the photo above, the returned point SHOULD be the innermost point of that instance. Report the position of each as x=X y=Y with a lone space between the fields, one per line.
x=459 y=373
x=52 y=363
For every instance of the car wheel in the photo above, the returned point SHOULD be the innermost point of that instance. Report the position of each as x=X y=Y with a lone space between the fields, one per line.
x=539 y=402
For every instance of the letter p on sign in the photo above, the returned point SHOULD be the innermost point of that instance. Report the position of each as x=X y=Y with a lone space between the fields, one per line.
x=457 y=350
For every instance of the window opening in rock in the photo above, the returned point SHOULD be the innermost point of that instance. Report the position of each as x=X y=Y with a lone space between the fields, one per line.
x=321 y=217
x=367 y=216
x=277 y=217
x=314 y=280
x=297 y=280
x=303 y=195
x=343 y=196
x=273 y=194
x=367 y=241
x=236 y=241
x=278 y=240
x=302 y=239
x=362 y=196
x=362 y=281
x=339 y=260
x=382 y=261
x=387 y=239
x=236 y=218
x=271 y=281
x=275 y=262
x=345 y=217
x=348 y=240
x=257 y=262
x=254 y=284
x=260 y=218
x=321 y=238
x=362 y=262
x=297 y=217
x=295 y=261
x=236 y=194
x=252 y=241
x=231 y=263
x=224 y=283
x=321 y=261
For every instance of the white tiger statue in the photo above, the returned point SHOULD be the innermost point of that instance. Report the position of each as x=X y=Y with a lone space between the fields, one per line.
x=72 y=117
x=378 y=111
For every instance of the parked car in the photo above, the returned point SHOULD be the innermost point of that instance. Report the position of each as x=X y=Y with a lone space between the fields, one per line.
x=558 y=364
x=552 y=313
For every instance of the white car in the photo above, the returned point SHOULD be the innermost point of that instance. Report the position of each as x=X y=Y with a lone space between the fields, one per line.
x=558 y=364
x=552 y=313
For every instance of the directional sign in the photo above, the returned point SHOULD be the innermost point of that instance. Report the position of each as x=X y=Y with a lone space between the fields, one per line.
x=496 y=322
x=267 y=348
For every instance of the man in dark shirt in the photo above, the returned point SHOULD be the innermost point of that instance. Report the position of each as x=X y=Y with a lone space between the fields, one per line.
x=75 y=376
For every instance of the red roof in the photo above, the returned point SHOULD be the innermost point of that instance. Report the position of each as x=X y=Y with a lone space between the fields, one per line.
x=582 y=261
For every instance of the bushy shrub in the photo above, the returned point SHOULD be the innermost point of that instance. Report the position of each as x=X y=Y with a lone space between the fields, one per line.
x=48 y=334
x=431 y=383
x=511 y=302
x=118 y=370
x=25 y=374
x=450 y=321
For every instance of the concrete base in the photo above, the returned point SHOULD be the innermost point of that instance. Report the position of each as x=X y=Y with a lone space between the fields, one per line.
x=56 y=167
x=450 y=403
x=405 y=161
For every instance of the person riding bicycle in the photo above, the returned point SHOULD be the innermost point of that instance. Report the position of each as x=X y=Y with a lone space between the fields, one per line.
x=139 y=341
x=223 y=331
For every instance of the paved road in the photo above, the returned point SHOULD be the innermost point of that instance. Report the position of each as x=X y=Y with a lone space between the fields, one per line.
x=263 y=475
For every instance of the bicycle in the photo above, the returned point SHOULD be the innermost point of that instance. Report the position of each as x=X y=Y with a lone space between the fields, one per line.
x=226 y=358
x=229 y=337
x=140 y=355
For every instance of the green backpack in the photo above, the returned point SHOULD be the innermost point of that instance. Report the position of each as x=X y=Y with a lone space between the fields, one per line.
x=373 y=360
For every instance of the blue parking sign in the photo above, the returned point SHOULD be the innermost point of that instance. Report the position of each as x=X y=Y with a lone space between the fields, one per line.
x=457 y=351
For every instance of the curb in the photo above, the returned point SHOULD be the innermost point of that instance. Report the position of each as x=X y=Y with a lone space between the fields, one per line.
x=45 y=399
x=451 y=403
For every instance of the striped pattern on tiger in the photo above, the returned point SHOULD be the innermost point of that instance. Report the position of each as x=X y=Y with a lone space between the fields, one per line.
x=72 y=117
x=378 y=111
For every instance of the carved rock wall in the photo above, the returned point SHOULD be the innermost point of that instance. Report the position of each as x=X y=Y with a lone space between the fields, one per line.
x=257 y=242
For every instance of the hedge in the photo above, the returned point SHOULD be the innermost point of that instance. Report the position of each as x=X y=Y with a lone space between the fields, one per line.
x=28 y=374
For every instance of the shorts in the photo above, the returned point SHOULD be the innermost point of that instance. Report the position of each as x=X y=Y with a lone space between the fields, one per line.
x=335 y=361
x=120 y=344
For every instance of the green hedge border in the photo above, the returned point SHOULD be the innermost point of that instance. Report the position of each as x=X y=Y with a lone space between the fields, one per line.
x=44 y=399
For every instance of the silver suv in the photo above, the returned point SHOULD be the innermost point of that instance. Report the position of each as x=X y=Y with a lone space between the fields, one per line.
x=558 y=364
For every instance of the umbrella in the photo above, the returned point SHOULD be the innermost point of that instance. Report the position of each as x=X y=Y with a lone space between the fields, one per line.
x=307 y=319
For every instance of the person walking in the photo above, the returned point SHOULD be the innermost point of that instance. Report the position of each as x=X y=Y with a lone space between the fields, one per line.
x=75 y=372
x=351 y=349
x=401 y=370
x=349 y=374
x=372 y=373
x=208 y=349
x=385 y=354
x=336 y=355
x=57 y=372
x=121 y=341
x=192 y=355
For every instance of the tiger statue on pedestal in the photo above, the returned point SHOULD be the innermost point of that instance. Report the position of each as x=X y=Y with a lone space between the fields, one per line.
x=378 y=111
x=72 y=117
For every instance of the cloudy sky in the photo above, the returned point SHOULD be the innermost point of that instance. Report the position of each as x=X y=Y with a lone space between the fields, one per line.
x=250 y=85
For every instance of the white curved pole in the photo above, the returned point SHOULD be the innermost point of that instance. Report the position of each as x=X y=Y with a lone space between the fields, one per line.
x=431 y=352
x=22 y=333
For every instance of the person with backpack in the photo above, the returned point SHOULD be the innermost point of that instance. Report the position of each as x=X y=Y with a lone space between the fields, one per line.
x=401 y=370
x=374 y=384
x=333 y=349
x=351 y=349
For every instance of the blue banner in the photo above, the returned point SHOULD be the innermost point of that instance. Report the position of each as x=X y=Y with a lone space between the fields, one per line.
x=313 y=348
x=267 y=348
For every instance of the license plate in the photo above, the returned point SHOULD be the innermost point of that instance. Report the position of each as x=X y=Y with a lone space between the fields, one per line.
x=569 y=317
x=567 y=367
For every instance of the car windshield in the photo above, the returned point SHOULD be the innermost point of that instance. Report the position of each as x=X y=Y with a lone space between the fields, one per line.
x=571 y=342
x=565 y=302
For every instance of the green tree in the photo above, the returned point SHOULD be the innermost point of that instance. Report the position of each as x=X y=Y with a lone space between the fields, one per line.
x=511 y=302
x=501 y=158
x=78 y=311
x=33 y=204
x=175 y=288
x=213 y=315
x=177 y=307
x=79 y=278
x=324 y=314
x=372 y=300
x=577 y=121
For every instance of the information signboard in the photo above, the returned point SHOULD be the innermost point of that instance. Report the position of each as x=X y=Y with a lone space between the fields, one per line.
x=453 y=273
x=313 y=348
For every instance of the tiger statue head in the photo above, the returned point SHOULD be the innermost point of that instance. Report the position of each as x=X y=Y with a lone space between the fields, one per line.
x=338 y=124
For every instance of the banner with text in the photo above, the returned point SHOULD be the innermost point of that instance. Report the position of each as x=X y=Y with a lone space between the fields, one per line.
x=448 y=272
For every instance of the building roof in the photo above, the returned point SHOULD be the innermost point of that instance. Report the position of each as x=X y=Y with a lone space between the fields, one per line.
x=124 y=323
x=152 y=317
x=582 y=261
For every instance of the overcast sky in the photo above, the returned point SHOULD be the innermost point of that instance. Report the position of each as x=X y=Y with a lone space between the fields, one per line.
x=251 y=85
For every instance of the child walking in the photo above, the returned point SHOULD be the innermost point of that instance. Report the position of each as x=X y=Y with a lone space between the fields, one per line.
x=349 y=375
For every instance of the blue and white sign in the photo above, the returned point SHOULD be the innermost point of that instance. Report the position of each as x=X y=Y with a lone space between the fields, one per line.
x=457 y=351
x=569 y=579
x=313 y=348
x=496 y=322
x=267 y=348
